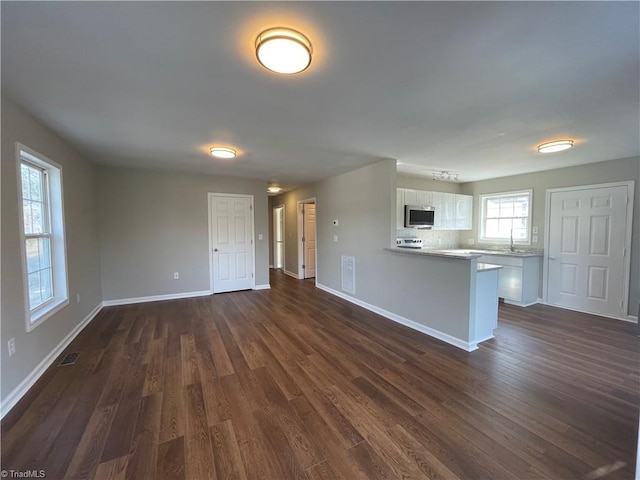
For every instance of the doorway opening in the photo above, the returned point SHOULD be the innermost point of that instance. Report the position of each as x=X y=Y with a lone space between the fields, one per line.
x=278 y=236
x=307 y=238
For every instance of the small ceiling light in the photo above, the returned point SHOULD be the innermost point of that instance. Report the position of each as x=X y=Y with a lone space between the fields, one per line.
x=223 y=152
x=553 y=147
x=274 y=189
x=283 y=50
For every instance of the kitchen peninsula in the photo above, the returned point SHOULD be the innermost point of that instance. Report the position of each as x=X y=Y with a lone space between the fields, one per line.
x=464 y=319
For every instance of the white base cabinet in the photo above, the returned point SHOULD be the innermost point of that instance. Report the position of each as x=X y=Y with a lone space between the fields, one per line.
x=519 y=278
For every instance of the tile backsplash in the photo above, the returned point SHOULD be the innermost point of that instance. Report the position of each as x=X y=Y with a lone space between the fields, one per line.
x=432 y=238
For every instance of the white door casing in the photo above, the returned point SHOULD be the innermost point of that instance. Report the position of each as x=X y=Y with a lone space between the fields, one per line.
x=309 y=240
x=231 y=247
x=588 y=240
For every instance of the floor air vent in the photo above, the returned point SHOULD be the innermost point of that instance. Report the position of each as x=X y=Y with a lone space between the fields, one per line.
x=69 y=359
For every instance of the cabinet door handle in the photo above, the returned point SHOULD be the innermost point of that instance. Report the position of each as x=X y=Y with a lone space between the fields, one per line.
x=551 y=257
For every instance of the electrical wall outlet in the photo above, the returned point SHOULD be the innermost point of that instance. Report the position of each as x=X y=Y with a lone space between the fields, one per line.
x=260 y=236
x=534 y=230
x=335 y=238
x=12 y=346
x=534 y=238
x=176 y=275
x=77 y=298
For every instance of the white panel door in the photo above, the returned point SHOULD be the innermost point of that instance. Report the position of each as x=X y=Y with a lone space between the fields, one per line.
x=278 y=236
x=309 y=240
x=586 y=251
x=231 y=243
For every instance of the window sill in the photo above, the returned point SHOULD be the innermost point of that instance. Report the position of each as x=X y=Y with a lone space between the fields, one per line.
x=38 y=317
x=496 y=241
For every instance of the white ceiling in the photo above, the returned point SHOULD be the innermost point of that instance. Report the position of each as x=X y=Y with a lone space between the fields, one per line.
x=465 y=87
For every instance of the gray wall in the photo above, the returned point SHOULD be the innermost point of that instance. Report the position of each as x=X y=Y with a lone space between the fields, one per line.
x=154 y=223
x=364 y=202
x=83 y=261
x=595 y=173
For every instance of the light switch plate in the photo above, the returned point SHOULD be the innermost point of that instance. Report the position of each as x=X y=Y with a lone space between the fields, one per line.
x=534 y=230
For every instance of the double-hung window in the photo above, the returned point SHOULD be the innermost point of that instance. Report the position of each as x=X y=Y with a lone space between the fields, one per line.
x=506 y=217
x=44 y=261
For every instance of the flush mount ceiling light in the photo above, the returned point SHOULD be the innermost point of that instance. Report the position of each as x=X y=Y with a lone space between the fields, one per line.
x=283 y=50
x=552 y=147
x=274 y=189
x=223 y=152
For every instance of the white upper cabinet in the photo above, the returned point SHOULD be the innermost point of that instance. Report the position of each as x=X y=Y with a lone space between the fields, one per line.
x=425 y=198
x=445 y=205
x=464 y=212
x=410 y=197
x=452 y=211
x=437 y=200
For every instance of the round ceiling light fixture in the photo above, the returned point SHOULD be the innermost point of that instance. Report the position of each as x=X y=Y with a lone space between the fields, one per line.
x=274 y=189
x=283 y=50
x=223 y=152
x=558 y=146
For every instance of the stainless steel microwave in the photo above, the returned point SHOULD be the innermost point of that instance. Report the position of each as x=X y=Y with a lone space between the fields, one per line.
x=418 y=216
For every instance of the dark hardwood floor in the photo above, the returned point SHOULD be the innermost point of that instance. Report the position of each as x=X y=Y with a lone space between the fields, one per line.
x=294 y=383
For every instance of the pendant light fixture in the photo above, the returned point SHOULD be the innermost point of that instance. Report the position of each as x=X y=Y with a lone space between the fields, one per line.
x=283 y=50
x=558 y=146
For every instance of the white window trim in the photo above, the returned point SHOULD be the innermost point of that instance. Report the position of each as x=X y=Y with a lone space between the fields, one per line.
x=499 y=241
x=60 y=299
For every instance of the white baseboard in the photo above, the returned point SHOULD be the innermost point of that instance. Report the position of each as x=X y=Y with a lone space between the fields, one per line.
x=156 y=298
x=627 y=318
x=291 y=274
x=23 y=387
x=520 y=304
x=262 y=287
x=451 y=340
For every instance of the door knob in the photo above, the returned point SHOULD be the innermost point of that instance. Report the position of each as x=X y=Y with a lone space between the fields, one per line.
x=215 y=249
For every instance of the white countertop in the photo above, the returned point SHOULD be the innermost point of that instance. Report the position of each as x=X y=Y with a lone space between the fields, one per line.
x=463 y=252
x=427 y=252
x=455 y=254
x=502 y=253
